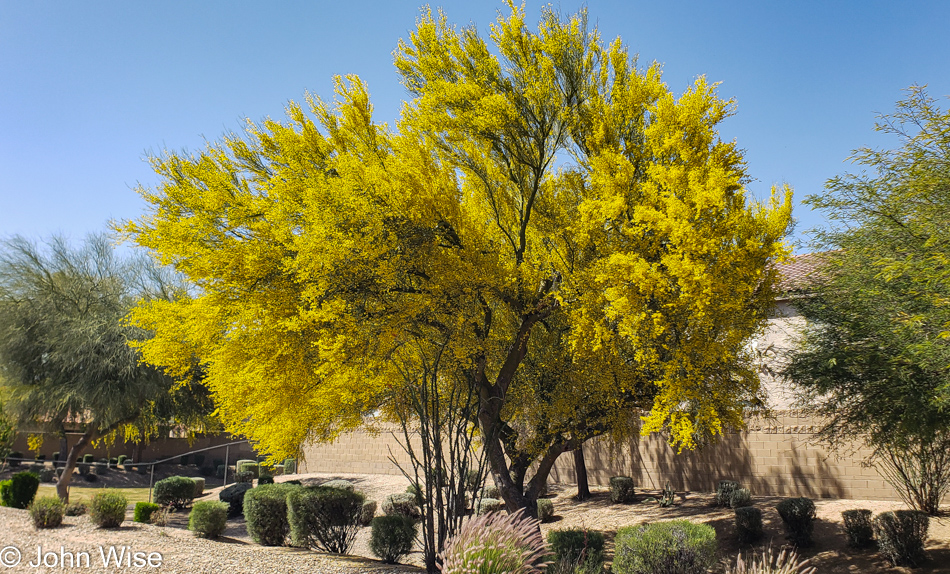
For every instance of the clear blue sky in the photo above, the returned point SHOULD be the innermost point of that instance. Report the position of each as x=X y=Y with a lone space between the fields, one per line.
x=87 y=89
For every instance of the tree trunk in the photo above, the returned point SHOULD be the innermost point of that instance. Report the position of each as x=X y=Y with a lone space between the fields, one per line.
x=62 y=485
x=580 y=471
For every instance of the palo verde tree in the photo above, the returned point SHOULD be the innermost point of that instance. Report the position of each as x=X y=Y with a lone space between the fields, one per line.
x=579 y=236
x=64 y=347
x=874 y=360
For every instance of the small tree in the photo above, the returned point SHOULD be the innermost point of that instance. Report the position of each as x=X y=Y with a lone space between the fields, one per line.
x=874 y=358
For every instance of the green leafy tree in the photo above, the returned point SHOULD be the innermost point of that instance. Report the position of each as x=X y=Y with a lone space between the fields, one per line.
x=64 y=346
x=875 y=357
x=578 y=236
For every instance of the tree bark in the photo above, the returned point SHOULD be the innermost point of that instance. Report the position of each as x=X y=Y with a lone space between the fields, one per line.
x=63 y=448
x=62 y=484
x=580 y=471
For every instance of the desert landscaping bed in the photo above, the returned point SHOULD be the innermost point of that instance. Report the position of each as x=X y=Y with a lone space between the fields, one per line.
x=235 y=552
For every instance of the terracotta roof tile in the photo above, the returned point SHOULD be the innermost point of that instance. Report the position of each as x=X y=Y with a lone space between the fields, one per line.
x=795 y=273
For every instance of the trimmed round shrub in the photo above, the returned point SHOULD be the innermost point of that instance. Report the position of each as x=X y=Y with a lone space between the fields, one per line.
x=199 y=487
x=88 y=458
x=76 y=509
x=748 y=524
x=675 y=547
x=740 y=497
x=265 y=510
x=324 y=518
x=545 y=509
x=491 y=491
x=901 y=535
x=101 y=468
x=724 y=492
x=578 y=547
x=175 y=491
x=107 y=509
x=19 y=490
x=391 y=537
x=340 y=484
x=488 y=505
x=290 y=466
x=143 y=512
x=13 y=459
x=47 y=512
x=496 y=543
x=234 y=497
x=47 y=474
x=622 y=490
x=798 y=514
x=367 y=513
x=857 y=525
x=244 y=476
x=208 y=518
x=247 y=466
x=402 y=503
x=121 y=460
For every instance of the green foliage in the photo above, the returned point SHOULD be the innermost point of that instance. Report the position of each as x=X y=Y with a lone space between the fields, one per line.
x=13 y=458
x=488 y=505
x=107 y=509
x=767 y=563
x=290 y=466
x=491 y=491
x=675 y=547
x=622 y=490
x=143 y=512
x=244 y=476
x=873 y=360
x=19 y=490
x=749 y=524
x=121 y=460
x=7 y=436
x=577 y=546
x=368 y=512
x=199 y=487
x=76 y=509
x=248 y=466
x=175 y=491
x=47 y=512
x=208 y=518
x=265 y=510
x=391 y=537
x=740 y=497
x=324 y=517
x=857 y=524
x=496 y=543
x=798 y=514
x=901 y=536
x=401 y=503
x=233 y=495
x=724 y=492
x=340 y=485
x=88 y=458
x=545 y=510
x=47 y=474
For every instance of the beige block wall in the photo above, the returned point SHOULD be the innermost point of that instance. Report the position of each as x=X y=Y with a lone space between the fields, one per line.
x=773 y=457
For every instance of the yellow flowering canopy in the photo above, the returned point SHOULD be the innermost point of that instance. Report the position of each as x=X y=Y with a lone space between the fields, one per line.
x=575 y=236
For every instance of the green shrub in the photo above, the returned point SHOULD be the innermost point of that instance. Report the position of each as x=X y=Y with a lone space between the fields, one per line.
x=47 y=512
x=234 y=496
x=675 y=547
x=724 y=492
x=767 y=563
x=340 y=484
x=545 y=509
x=14 y=458
x=121 y=460
x=55 y=457
x=584 y=548
x=324 y=518
x=278 y=470
x=101 y=468
x=19 y=490
x=208 y=518
x=290 y=466
x=219 y=471
x=491 y=491
x=487 y=505
x=416 y=493
x=47 y=474
x=622 y=490
x=88 y=459
x=402 y=503
x=857 y=524
x=740 y=497
x=901 y=535
x=798 y=514
x=244 y=476
x=265 y=509
x=248 y=466
x=107 y=509
x=367 y=513
x=496 y=543
x=113 y=462
x=199 y=487
x=175 y=491
x=143 y=512
x=76 y=509
x=748 y=524
x=391 y=537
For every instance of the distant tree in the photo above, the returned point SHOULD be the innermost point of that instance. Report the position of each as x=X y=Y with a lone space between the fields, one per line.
x=875 y=357
x=65 y=351
x=7 y=433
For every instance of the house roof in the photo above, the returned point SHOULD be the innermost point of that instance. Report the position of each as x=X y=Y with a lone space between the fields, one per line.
x=795 y=274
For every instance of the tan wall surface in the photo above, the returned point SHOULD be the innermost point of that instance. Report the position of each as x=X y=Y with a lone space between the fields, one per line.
x=772 y=458
x=155 y=450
